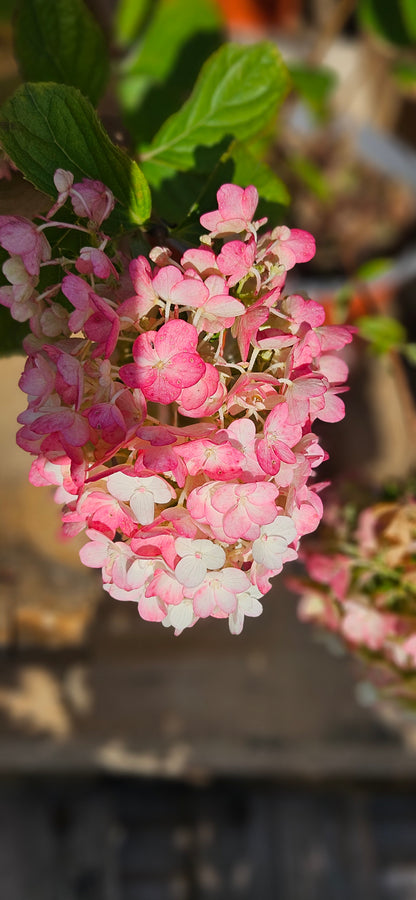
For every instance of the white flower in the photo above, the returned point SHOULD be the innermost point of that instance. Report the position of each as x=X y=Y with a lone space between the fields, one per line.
x=274 y=539
x=197 y=558
x=247 y=605
x=181 y=616
x=141 y=493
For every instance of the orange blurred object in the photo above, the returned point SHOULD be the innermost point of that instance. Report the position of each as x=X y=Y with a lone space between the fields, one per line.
x=261 y=13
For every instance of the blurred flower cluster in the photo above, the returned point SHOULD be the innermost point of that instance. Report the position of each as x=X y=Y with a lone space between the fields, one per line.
x=361 y=584
x=171 y=400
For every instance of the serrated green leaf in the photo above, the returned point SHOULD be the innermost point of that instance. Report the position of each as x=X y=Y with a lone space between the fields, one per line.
x=59 y=40
x=314 y=84
x=129 y=18
x=394 y=21
x=158 y=75
x=383 y=332
x=237 y=93
x=44 y=127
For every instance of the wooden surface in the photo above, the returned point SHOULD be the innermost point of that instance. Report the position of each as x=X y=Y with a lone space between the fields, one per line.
x=134 y=699
x=132 y=840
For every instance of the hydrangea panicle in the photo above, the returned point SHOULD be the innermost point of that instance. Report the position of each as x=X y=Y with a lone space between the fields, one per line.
x=186 y=518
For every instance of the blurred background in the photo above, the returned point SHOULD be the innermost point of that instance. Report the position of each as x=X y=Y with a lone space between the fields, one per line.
x=138 y=765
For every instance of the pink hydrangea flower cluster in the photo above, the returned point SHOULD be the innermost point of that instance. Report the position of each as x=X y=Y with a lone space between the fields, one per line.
x=361 y=584
x=172 y=399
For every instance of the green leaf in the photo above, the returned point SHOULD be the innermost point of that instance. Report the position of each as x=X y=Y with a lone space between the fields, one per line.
x=374 y=268
x=235 y=97
x=12 y=333
x=129 y=18
x=249 y=170
x=409 y=351
x=236 y=94
x=6 y=9
x=159 y=74
x=59 y=40
x=392 y=20
x=314 y=84
x=404 y=73
x=312 y=177
x=177 y=194
x=44 y=127
x=383 y=332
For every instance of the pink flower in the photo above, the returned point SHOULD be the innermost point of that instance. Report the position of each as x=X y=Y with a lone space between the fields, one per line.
x=166 y=586
x=236 y=208
x=165 y=362
x=207 y=513
x=93 y=261
x=242 y=434
x=219 y=592
x=134 y=308
x=236 y=260
x=21 y=296
x=330 y=408
x=201 y=260
x=92 y=199
x=244 y=508
x=247 y=325
x=305 y=395
x=205 y=397
x=300 y=310
x=253 y=391
x=292 y=245
x=217 y=310
x=366 y=626
x=217 y=459
x=69 y=425
x=175 y=288
x=279 y=437
x=332 y=570
x=193 y=397
x=103 y=513
x=80 y=294
x=21 y=238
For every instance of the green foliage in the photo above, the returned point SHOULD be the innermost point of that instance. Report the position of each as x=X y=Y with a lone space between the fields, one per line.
x=12 y=333
x=409 y=352
x=129 y=18
x=311 y=176
x=383 y=333
x=6 y=9
x=404 y=72
x=235 y=97
x=44 y=127
x=392 y=20
x=250 y=170
x=59 y=40
x=315 y=85
x=374 y=268
x=159 y=72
